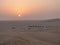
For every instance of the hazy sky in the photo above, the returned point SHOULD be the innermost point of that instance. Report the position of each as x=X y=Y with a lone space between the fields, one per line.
x=29 y=9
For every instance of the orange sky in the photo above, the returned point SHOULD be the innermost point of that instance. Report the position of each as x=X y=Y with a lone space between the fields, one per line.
x=27 y=7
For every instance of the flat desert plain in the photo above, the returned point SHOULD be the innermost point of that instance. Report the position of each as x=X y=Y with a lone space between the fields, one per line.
x=14 y=36
x=29 y=38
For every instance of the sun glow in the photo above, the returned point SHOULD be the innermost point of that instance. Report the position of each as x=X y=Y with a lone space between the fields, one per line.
x=19 y=15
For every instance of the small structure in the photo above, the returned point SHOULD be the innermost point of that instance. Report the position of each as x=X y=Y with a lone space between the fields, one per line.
x=14 y=27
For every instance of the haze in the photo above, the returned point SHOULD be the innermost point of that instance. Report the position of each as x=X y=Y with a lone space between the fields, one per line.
x=29 y=9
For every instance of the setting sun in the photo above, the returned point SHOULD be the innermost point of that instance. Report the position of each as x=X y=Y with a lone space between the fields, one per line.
x=19 y=15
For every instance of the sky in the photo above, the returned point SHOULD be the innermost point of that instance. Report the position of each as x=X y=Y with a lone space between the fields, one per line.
x=29 y=9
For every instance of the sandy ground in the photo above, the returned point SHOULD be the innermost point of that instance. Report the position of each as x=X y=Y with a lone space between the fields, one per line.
x=30 y=38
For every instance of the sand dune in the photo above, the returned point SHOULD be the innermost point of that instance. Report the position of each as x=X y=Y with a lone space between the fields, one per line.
x=29 y=38
x=30 y=32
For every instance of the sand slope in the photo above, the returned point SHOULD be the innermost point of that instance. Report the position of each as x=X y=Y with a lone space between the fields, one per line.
x=19 y=33
x=29 y=38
